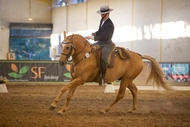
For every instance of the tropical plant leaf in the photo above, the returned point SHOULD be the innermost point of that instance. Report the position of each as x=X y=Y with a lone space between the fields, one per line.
x=68 y=75
x=14 y=67
x=15 y=75
x=24 y=69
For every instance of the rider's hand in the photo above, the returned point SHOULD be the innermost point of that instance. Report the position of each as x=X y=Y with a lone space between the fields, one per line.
x=93 y=34
x=89 y=37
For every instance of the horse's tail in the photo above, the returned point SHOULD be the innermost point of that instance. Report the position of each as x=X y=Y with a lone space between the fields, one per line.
x=156 y=75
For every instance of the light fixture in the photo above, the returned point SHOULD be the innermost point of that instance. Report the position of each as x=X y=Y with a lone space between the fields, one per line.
x=30 y=18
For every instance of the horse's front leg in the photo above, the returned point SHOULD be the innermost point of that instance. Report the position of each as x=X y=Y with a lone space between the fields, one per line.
x=72 y=86
x=65 y=107
x=56 y=100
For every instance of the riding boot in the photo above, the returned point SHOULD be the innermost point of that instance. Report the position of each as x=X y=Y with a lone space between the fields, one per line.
x=102 y=77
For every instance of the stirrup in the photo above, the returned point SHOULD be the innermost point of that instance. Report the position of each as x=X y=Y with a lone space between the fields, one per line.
x=101 y=83
x=102 y=77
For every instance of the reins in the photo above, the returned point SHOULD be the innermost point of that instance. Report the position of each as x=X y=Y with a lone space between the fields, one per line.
x=80 y=51
x=86 y=55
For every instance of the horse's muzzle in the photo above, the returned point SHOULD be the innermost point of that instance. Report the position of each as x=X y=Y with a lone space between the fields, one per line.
x=61 y=63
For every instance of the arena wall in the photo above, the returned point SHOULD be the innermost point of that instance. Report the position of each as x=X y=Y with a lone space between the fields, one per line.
x=159 y=28
x=51 y=71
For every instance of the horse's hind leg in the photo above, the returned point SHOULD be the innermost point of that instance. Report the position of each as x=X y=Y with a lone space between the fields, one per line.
x=133 y=90
x=65 y=107
x=120 y=95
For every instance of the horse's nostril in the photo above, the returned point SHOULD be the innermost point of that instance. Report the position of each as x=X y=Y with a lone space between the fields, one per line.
x=61 y=63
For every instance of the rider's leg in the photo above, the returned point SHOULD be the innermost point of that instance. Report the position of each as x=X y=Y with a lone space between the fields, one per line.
x=104 y=62
x=103 y=72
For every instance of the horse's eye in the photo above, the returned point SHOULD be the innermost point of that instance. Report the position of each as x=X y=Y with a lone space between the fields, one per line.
x=67 y=48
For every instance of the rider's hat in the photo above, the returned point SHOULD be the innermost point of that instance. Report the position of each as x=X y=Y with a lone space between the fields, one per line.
x=104 y=9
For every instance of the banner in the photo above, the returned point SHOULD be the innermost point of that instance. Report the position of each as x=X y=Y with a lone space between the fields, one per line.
x=21 y=71
x=34 y=72
x=178 y=72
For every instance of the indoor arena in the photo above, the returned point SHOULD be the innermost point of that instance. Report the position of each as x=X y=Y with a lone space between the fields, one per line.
x=94 y=63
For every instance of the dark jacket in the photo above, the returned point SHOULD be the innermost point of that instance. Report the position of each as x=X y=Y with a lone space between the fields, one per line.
x=105 y=33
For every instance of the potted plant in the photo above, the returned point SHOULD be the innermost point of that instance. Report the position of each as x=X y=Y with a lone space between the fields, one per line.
x=3 y=80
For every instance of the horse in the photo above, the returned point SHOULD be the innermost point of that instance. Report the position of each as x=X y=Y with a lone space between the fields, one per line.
x=85 y=68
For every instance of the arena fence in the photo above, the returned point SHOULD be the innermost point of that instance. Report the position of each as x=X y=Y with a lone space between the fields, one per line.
x=51 y=71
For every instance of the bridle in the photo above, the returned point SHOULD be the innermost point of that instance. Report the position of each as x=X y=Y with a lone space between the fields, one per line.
x=73 y=48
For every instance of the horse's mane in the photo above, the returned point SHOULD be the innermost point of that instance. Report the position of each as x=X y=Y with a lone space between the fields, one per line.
x=79 y=36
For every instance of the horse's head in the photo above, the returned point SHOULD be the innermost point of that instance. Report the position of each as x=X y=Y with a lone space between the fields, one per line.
x=67 y=49
x=74 y=45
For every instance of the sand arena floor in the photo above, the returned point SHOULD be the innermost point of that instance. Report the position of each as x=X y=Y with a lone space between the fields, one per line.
x=28 y=106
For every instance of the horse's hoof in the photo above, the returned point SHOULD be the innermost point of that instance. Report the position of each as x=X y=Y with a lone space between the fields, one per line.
x=131 y=110
x=60 y=113
x=102 y=112
x=51 y=108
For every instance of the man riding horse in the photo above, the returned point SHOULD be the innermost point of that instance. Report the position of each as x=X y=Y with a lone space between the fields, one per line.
x=104 y=38
x=85 y=66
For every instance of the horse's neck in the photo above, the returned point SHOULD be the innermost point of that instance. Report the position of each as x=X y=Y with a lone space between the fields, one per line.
x=81 y=49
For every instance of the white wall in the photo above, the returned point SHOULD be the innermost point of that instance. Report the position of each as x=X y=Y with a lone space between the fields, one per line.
x=4 y=43
x=176 y=49
x=17 y=11
x=139 y=24
x=149 y=27
x=59 y=19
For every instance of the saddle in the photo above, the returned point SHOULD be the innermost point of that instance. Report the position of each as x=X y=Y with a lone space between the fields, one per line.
x=123 y=53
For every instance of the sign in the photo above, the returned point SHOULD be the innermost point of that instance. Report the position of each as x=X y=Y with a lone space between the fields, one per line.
x=34 y=72
x=178 y=72
x=11 y=56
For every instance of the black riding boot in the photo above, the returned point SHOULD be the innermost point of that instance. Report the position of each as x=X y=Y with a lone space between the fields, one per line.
x=102 y=77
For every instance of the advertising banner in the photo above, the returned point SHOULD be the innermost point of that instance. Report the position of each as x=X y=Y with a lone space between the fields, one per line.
x=178 y=72
x=53 y=72
x=34 y=72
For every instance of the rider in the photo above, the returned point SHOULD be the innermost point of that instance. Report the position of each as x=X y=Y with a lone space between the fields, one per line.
x=104 y=38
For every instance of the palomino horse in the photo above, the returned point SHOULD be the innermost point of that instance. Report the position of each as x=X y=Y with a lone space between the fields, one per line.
x=85 y=68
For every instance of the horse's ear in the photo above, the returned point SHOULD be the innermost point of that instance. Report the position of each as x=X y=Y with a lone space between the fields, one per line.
x=64 y=34
x=72 y=35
